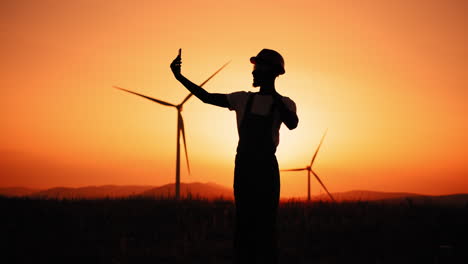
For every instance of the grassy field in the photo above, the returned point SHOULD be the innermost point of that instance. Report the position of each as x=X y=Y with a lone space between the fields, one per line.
x=137 y=230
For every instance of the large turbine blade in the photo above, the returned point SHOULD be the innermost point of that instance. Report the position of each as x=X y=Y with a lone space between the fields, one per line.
x=295 y=169
x=315 y=154
x=323 y=185
x=147 y=97
x=182 y=129
x=203 y=83
x=216 y=72
x=186 y=98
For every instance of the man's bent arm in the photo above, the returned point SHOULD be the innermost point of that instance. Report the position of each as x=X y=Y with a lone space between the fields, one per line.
x=206 y=97
x=288 y=117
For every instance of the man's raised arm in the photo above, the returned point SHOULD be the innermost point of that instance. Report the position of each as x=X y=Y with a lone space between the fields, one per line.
x=206 y=97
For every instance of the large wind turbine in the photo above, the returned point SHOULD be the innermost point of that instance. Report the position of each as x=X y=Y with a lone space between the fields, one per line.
x=309 y=170
x=180 y=127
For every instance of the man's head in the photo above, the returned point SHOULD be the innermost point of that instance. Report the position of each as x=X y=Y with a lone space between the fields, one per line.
x=268 y=64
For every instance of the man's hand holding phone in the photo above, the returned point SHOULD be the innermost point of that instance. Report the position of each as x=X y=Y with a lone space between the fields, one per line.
x=176 y=64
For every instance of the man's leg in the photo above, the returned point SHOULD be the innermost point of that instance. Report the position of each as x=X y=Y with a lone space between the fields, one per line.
x=268 y=216
x=244 y=244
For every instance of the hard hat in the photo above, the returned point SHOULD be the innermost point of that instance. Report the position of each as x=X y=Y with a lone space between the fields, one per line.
x=270 y=57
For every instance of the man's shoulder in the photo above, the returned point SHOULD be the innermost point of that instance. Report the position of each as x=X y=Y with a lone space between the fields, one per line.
x=287 y=100
x=289 y=103
x=240 y=93
x=237 y=99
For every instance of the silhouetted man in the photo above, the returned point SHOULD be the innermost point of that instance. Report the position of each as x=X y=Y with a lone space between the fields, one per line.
x=256 y=175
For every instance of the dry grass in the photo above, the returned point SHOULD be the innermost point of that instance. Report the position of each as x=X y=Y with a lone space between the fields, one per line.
x=138 y=230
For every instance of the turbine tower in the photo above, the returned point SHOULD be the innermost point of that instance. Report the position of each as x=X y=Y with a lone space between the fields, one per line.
x=309 y=171
x=180 y=127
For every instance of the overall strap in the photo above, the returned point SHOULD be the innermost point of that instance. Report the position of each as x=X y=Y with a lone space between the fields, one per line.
x=272 y=109
x=248 y=106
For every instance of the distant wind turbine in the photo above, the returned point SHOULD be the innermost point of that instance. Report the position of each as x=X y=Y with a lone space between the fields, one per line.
x=180 y=127
x=309 y=170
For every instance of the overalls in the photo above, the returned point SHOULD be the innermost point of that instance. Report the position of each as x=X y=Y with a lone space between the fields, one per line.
x=256 y=189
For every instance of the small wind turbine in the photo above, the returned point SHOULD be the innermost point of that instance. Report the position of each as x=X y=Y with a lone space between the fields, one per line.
x=309 y=170
x=180 y=127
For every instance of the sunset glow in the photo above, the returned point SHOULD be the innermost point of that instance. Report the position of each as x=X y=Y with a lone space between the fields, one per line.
x=388 y=79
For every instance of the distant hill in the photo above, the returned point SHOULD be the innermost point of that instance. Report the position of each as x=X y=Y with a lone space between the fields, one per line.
x=213 y=190
x=362 y=195
x=453 y=199
x=397 y=197
x=17 y=191
x=195 y=189
x=91 y=192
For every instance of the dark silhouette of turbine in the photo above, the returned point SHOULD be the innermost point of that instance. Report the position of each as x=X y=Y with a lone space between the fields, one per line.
x=180 y=127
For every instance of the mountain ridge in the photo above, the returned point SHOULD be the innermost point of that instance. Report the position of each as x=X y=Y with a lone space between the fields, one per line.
x=213 y=190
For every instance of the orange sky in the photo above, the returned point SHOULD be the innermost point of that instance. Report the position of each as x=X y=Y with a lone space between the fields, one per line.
x=387 y=78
